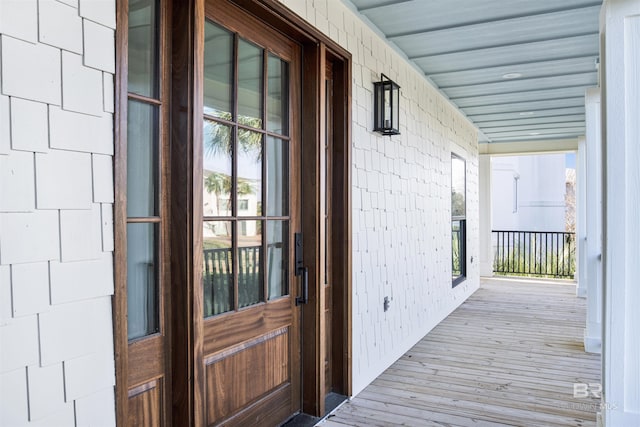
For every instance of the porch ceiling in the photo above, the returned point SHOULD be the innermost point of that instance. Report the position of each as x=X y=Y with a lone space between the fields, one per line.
x=518 y=69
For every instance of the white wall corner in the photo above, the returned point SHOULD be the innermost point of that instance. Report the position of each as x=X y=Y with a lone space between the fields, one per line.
x=592 y=344
x=620 y=23
x=581 y=219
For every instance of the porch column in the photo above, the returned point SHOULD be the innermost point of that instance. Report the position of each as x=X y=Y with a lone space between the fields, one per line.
x=620 y=34
x=486 y=248
x=593 y=252
x=581 y=219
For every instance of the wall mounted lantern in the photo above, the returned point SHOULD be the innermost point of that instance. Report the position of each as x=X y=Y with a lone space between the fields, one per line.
x=386 y=106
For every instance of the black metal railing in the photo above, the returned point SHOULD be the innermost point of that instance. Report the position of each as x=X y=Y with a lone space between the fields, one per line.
x=534 y=253
x=218 y=278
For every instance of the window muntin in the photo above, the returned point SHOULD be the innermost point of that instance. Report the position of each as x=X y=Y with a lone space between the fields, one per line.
x=458 y=219
x=245 y=172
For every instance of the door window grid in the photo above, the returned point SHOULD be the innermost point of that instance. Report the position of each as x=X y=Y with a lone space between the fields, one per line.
x=245 y=173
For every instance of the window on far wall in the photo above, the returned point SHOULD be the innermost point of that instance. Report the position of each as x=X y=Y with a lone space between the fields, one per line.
x=458 y=220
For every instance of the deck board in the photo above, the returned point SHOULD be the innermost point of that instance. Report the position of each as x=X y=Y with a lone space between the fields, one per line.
x=508 y=356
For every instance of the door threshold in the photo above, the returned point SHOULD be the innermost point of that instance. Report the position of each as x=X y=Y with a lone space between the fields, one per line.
x=331 y=402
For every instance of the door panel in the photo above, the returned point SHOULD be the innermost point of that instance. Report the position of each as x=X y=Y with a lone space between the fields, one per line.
x=246 y=372
x=251 y=337
x=145 y=404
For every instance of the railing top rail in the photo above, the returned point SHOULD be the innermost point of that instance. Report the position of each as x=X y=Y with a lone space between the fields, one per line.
x=532 y=232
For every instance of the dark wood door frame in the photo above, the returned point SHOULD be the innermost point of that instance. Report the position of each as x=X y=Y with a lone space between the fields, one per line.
x=315 y=330
x=184 y=349
x=317 y=50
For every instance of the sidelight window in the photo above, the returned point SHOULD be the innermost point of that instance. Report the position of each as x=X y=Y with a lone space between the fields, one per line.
x=144 y=213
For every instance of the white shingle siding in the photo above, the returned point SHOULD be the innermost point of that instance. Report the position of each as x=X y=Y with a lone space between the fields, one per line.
x=13 y=392
x=30 y=71
x=99 y=47
x=59 y=25
x=81 y=86
x=19 y=19
x=56 y=212
x=5 y=128
x=30 y=288
x=80 y=132
x=96 y=409
x=80 y=234
x=63 y=188
x=46 y=390
x=17 y=184
x=29 y=126
x=401 y=221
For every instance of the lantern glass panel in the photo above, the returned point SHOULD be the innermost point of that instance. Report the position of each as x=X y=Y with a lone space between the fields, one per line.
x=386 y=114
x=396 y=108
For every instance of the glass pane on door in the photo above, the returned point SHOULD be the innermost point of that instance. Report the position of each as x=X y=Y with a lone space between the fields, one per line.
x=250 y=289
x=143 y=57
x=250 y=83
x=277 y=95
x=278 y=258
x=142 y=160
x=142 y=280
x=249 y=182
x=218 y=72
x=217 y=274
x=277 y=177
x=217 y=169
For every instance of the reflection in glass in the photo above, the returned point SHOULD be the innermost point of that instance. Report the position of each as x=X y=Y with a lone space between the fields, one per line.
x=217 y=164
x=277 y=259
x=457 y=186
x=277 y=95
x=394 y=115
x=143 y=48
x=250 y=290
x=142 y=280
x=250 y=79
x=142 y=160
x=457 y=241
x=249 y=183
x=217 y=274
x=277 y=177
x=218 y=71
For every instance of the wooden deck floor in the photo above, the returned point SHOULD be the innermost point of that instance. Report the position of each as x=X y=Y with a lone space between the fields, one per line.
x=508 y=356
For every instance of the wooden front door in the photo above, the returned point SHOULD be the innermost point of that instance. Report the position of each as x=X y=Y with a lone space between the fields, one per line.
x=250 y=212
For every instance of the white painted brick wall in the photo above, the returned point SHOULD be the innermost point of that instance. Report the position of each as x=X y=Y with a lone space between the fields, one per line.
x=400 y=199
x=56 y=212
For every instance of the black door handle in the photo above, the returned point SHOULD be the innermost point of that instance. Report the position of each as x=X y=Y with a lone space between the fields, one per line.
x=305 y=287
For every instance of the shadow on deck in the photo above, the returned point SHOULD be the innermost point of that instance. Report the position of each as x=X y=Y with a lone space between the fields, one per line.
x=510 y=355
